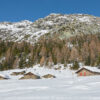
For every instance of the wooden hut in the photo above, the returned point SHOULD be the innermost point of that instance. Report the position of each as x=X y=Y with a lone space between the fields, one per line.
x=88 y=71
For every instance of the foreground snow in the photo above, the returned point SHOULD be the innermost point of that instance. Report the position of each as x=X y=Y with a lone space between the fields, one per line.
x=67 y=86
x=84 y=88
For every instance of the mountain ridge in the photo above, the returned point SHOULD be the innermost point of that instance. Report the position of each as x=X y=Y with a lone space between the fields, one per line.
x=31 y=31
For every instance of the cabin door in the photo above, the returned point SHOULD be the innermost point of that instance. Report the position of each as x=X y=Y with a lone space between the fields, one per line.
x=80 y=73
x=84 y=73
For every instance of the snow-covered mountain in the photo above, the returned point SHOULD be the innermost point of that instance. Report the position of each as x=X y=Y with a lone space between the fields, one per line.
x=61 y=42
x=57 y=38
x=32 y=31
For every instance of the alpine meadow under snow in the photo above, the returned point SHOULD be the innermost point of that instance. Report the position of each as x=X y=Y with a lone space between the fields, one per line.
x=39 y=60
x=66 y=86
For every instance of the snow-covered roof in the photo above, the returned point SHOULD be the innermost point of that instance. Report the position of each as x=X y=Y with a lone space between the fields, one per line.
x=1 y=75
x=93 y=69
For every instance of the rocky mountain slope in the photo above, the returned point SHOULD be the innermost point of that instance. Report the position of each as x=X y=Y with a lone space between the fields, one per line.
x=51 y=40
x=69 y=25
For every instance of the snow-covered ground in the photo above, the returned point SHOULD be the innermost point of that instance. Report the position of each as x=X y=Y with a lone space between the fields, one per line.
x=66 y=86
